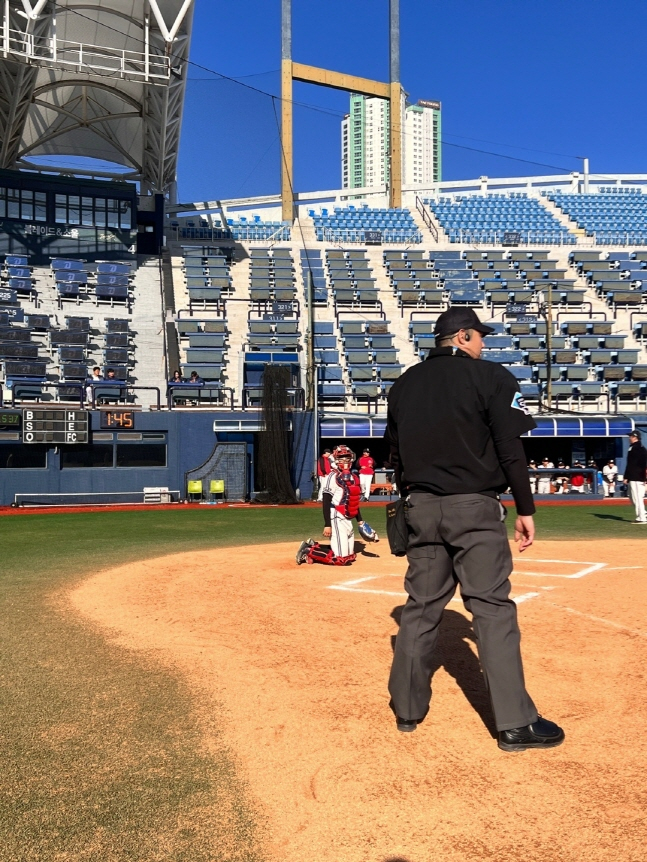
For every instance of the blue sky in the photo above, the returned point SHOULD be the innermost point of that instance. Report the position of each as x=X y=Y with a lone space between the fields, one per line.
x=546 y=82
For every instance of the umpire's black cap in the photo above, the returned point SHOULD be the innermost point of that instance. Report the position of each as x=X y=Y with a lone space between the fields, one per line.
x=456 y=318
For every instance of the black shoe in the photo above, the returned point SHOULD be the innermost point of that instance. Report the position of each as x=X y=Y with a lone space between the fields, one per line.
x=406 y=725
x=540 y=734
x=302 y=553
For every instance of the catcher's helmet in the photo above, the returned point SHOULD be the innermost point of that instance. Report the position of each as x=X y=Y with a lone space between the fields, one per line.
x=342 y=452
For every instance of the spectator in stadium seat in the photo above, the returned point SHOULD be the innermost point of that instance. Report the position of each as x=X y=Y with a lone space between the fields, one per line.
x=176 y=378
x=110 y=374
x=577 y=479
x=96 y=377
x=324 y=467
x=609 y=477
x=543 y=482
x=195 y=378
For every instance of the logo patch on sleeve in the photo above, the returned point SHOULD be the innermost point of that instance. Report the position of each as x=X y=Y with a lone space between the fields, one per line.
x=518 y=403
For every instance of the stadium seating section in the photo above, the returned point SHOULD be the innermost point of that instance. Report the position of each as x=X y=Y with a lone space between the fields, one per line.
x=352 y=224
x=57 y=323
x=374 y=307
x=611 y=217
x=487 y=218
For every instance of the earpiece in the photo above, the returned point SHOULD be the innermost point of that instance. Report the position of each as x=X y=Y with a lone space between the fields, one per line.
x=467 y=336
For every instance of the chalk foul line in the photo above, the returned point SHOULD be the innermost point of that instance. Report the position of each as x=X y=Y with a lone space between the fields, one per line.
x=600 y=620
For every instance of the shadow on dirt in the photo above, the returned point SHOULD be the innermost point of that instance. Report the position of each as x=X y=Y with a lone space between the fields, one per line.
x=454 y=653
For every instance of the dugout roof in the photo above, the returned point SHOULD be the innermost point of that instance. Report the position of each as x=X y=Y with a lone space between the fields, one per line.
x=98 y=78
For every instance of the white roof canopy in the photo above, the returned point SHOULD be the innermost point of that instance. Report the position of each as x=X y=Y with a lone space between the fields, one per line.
x=98 y=78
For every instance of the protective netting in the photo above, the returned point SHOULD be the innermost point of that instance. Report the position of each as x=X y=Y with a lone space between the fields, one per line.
x=273 y=473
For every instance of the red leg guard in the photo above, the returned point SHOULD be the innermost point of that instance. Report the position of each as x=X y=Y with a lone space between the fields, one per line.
x=344 y=561
x=317 y=554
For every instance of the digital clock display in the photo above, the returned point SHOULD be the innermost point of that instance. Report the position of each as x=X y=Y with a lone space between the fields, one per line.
x=124 y=420
x=10 y=420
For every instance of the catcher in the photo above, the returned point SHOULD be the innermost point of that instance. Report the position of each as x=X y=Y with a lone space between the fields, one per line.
x=341 y=495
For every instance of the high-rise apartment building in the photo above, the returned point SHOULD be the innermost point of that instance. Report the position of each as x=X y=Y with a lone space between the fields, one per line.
x=365 y=143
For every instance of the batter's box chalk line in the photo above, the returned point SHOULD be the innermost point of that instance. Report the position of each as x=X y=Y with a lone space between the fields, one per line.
x=588 y=568
x=357 y=586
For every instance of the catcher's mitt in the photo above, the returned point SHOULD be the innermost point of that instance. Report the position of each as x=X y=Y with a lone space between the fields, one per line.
x=367 y=532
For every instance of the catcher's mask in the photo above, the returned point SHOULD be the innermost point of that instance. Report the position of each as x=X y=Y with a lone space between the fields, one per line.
x=343 y=456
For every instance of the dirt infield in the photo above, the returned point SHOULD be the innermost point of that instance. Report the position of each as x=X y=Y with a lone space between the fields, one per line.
x=297 y=659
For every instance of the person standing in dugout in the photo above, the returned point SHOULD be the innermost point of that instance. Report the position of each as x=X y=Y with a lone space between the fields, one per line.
x=324 y=467
x=341 y=498
x=454 y=426
x=635 y=475
x=366 y=470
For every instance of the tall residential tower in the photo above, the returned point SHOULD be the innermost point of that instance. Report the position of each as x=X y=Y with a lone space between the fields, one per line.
x=365 y=143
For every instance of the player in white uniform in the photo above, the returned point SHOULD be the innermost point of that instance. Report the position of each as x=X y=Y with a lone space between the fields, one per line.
x=609 y=475
x=341 y=497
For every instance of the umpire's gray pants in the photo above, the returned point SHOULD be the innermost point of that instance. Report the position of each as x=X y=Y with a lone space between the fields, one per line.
x=460 y=538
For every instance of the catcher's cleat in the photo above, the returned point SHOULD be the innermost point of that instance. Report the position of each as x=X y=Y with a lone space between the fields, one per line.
x=302 y=553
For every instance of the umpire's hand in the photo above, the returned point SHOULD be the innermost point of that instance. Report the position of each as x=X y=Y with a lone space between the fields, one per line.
x=524 y=531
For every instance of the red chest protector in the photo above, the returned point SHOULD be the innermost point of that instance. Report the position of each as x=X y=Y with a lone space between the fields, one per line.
x=352 y=493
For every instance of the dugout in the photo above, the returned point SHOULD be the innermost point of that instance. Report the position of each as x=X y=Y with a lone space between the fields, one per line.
x=568 y=437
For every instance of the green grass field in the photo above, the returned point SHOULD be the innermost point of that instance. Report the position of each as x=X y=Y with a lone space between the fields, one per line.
x=102 y=757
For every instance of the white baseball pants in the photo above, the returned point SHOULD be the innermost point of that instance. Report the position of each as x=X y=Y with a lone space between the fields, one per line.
x=342 y=540
x=637 y=492
x=365 y=482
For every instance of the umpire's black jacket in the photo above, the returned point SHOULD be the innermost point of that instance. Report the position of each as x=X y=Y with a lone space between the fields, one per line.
x=454 y=425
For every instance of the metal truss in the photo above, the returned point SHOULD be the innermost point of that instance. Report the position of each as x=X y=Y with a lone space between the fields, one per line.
x=63 y=89
x=163 y=120
x=17 y=82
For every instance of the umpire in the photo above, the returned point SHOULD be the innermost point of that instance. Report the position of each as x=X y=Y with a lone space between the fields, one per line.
x=454 y=424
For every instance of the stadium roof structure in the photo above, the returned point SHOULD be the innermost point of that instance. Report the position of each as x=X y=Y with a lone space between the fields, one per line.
x=103 y=79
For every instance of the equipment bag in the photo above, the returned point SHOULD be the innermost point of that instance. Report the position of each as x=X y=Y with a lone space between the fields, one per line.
x=396 y=528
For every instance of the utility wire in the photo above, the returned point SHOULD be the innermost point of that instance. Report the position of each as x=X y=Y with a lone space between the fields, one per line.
x=318 y=108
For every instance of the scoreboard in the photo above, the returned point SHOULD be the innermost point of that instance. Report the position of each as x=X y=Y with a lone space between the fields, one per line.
x=55 y=426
